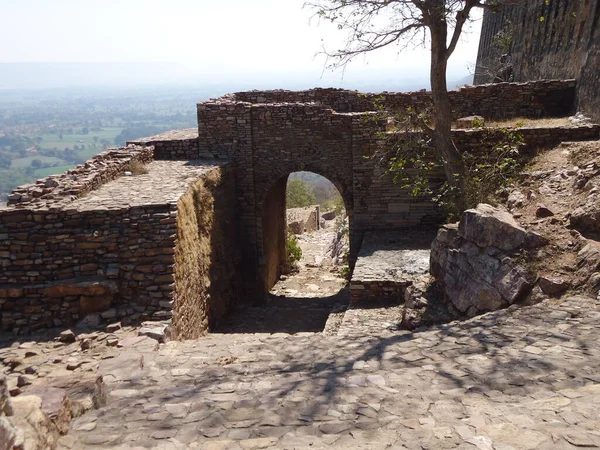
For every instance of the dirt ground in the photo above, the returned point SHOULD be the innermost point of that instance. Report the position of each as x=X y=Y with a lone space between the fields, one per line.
x=556 y=183
x=317 y=275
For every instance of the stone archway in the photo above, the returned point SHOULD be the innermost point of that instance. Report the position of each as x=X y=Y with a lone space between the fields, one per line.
x=272 y=213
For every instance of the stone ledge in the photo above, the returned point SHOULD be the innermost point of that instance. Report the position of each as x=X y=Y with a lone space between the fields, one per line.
x=387 y=263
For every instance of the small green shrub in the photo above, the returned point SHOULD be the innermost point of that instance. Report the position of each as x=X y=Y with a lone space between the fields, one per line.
x=293 y=250
x=410 y=159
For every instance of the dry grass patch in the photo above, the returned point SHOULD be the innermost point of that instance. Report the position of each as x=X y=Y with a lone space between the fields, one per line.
x=522 y=122
x=136 y=168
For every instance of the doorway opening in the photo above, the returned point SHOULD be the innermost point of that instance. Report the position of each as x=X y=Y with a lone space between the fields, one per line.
x=305 y=230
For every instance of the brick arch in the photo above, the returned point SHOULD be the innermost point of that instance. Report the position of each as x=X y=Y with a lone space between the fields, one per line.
x=271 y=212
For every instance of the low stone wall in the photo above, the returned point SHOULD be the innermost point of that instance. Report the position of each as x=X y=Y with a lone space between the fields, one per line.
x=534 y=138
x=114 y=252
x=546 y=98
x=79 y=181
x=379 y=290
x=174 y=145
x=387 y=263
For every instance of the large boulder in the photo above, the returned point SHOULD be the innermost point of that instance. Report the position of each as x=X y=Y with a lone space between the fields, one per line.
x=587 y=217
x=473 y=261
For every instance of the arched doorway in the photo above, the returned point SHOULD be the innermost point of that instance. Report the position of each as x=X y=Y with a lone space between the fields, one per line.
x=305 y=231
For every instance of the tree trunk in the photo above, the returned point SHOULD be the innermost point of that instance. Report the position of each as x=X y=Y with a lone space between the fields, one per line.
x=442 y=133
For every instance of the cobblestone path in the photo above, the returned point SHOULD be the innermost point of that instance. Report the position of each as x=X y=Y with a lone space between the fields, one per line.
x=514 y=379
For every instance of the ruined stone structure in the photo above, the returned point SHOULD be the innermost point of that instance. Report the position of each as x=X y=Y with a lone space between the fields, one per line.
x=303 y=220
x=555 y=39
x=207 y=220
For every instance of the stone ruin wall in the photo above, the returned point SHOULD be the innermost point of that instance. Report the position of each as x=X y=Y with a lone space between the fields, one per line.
x=566 y=44
x=546 y=98
x=60 y=263
x=270 y=134
x=303 y=220
x=54 y=190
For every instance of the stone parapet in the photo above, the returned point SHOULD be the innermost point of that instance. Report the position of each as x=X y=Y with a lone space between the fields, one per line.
x=56 y=190
x=174 y=145
x=546 y=98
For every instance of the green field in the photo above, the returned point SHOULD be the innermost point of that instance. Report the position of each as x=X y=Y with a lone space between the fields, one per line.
x=19 y=163
x=41 y=173
x=69 y=140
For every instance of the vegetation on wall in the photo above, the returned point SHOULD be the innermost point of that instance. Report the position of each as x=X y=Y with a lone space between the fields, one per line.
x=409 y=157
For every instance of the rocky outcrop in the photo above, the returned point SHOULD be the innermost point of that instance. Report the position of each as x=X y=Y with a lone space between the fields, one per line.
x=588 y=266
x=474 y=262
x=587 y=217
x=9 y=434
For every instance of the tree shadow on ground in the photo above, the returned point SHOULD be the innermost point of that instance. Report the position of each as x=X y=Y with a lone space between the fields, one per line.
x=284 y=315
x=500 y=357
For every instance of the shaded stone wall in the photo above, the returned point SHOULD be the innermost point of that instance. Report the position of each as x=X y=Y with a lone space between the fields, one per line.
x=547 y=98
x=272 y=228
x=206 y=255
x=566 y=44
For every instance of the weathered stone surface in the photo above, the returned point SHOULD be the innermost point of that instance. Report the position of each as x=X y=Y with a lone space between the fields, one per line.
x=55 y=404
x=8 y=434
x=587 y=217
x=487 y=226
x=364 y=390
x=588 y=261
x=472 y=262
x=552 y=286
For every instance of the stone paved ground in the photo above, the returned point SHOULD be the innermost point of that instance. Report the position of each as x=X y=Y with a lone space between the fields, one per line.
x=514 y=379
x=302 y=301
x=166 y=181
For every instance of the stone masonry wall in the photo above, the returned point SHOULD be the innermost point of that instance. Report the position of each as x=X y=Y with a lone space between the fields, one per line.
x=77 y=182
x=534 y=138
x=546 y=98
x=565 y=44
x=173 y=145
x=270 y=134
x=206 y=255
x=58 y=266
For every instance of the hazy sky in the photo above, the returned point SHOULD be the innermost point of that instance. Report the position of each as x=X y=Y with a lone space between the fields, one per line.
x=233 y=38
